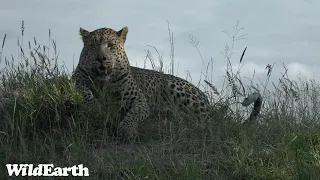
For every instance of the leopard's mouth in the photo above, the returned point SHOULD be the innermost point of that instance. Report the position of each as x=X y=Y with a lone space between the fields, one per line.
x=101 y=74
x=101 y=71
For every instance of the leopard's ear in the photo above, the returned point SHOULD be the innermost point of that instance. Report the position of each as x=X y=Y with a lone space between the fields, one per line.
x=84 y=33
x=123 y=34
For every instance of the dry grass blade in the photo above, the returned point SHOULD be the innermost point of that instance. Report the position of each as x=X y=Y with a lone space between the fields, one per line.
x=244 y=51
x=22 y=28
x=171 y=39
x=243 y=89
x=54 y=45
x=215 y=91
x=269 y=68
x=21 y=50
x=4 y=40
x=152 y=61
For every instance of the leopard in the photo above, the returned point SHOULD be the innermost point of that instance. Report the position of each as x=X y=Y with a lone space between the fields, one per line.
x=143 y=91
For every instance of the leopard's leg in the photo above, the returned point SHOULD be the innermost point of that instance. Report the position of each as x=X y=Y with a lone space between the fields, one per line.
x=90 y=101
x=137 y=111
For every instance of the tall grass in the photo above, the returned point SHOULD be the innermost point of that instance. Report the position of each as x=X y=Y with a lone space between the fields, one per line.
x=42 y=120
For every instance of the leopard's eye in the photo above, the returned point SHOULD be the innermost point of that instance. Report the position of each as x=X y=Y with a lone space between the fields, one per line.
x=110 y=45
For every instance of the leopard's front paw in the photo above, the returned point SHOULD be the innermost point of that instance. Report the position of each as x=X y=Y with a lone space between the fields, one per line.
x=127 y=132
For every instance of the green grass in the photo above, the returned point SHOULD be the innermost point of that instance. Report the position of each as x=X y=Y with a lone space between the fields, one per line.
x=43 y=120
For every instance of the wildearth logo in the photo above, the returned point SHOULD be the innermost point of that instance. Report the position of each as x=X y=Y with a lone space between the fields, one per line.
x=46 y=170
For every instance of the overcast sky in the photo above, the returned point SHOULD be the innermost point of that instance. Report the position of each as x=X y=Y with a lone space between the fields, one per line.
x=279 y=31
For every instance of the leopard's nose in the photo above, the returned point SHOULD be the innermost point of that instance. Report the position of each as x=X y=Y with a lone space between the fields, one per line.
x=101 y=59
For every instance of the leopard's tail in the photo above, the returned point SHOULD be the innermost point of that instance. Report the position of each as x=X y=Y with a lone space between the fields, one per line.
x=257 y=99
